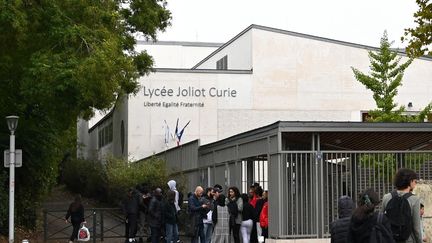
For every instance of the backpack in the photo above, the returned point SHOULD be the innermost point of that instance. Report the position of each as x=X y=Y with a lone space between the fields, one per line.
x=180 y=199
x=398 y=211
x=379 y=233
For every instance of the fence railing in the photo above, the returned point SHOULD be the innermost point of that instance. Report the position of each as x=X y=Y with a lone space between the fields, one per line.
x=316 y=180
x=103 y=223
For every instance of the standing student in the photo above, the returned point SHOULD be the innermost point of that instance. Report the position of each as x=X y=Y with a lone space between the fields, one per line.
x=170 y=218
x=178 y=200
x=405 y=181
x=197 y=210
x=220 y=218
x=76 y=213
x=155 y=217
x=263 y=218
x=207 y=218
x=340 y=227
x=235 y=208
x=424 y=237
x=130 y=207
x=365 y=220
x=248 y=218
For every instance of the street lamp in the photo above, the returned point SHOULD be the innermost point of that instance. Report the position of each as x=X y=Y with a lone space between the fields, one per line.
x=12 y=122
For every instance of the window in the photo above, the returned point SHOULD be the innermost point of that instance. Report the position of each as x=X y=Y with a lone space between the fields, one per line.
x=105 y=135
x=222 y=64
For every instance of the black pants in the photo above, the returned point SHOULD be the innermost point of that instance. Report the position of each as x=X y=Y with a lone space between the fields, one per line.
x=265 y=233
x=131 y=225
x=155 y=234
x=76 y=227
x=236 y=232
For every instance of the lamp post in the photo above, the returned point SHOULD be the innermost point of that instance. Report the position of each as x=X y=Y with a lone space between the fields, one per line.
x=12 y=122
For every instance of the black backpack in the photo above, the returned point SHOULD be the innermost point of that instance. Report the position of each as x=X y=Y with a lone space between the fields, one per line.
x=379 y=233
x=180 y=199
x=398 y=211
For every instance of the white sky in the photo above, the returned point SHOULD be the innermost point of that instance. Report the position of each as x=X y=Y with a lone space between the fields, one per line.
x=357 y=21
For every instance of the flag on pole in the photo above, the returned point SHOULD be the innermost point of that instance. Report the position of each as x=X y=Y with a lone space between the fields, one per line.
x=180 y=134
x=167 y=134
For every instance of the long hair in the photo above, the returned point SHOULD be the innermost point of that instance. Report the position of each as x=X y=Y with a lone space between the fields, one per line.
x=235 y=190
x=76 y=203
x=366 y=204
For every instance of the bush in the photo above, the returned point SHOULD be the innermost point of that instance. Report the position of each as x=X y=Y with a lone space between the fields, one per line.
x=109 y=182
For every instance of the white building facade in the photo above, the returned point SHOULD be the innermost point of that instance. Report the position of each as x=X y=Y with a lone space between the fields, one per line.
x=260 y=76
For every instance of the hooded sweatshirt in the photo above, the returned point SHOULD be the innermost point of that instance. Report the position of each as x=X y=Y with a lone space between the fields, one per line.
x=172 y=186
x=340 y=227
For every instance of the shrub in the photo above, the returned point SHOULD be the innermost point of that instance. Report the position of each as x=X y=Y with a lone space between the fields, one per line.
x=109 y=181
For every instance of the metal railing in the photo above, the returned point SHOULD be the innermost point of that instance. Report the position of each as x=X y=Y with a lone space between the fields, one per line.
x=316 y=180
x=103 y=223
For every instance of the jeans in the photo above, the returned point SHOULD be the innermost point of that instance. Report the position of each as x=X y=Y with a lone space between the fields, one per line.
x=208 y=231
x=155 y=234
x=171 y=233
x=198 y=233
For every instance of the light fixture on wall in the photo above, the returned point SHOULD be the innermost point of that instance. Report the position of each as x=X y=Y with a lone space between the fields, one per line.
x=410 y=105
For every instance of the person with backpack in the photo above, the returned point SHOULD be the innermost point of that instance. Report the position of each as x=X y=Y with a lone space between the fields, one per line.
x=340 y=227
x=170 y=218
x=402 y=208
x=178 y=202
x=368 y=225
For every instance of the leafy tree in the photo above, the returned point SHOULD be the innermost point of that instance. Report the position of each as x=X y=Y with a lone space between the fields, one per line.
x=384 y=79
x=420 y=37
x=59 y=60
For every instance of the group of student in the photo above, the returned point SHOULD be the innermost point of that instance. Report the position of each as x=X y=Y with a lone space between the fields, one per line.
x=399 y=220
x=218 y=218
x=213 y=216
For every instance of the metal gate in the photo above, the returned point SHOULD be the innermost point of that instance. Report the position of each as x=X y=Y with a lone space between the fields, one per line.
x=315 y=180
x=103 y=224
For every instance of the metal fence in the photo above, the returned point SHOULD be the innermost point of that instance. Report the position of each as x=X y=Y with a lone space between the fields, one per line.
x=103 y=224
x=315 y=181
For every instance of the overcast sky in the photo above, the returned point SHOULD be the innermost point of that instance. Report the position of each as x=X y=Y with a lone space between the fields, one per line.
x=357 y=21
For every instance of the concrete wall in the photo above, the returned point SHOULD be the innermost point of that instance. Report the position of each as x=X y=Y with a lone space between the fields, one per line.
x=147 y=127
x=294 y=78
x=239 y=54
x=176 y=54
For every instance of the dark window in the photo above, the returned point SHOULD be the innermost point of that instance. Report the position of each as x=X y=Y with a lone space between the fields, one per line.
x=222 y=64
x=122 y=136
x=105 y=135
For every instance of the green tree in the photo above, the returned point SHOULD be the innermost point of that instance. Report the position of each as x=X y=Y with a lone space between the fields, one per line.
x=59 y=60
x=384 y=79
x=420 y=38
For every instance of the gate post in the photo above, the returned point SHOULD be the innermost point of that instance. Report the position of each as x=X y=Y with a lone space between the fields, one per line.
x=45 y=224
x=94 y=226
x=102 y=224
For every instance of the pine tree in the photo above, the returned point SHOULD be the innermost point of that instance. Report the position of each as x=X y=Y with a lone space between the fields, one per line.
x=384 y=80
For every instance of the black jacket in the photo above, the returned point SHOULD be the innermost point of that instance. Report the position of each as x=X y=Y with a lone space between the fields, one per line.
x=360 y=231
x=170 y=213
x=339 y=230
x=76 y=213
x=155 y=216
